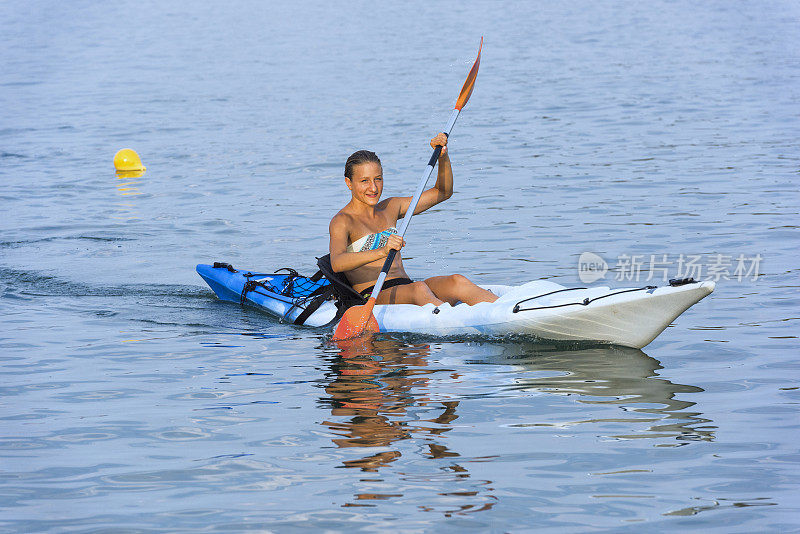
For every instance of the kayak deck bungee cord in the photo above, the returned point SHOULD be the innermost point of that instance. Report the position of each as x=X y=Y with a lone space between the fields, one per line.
x=631 y=317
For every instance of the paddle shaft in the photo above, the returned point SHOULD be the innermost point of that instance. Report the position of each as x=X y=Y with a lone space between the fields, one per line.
x=401 y=231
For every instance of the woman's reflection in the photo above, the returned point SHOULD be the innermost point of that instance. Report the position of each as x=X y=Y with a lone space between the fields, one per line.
x=374 y=382
x=377 y=389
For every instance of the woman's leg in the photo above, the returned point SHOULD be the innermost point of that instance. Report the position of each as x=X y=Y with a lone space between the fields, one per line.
x=414 y=293
x=456 y=288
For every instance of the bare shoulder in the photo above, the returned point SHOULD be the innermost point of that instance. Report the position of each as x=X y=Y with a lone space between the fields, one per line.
x=341 y=222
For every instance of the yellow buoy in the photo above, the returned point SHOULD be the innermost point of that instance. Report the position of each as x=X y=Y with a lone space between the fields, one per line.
x=128 y=160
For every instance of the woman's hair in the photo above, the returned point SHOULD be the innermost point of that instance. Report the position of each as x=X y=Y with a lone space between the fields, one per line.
x=357 y=158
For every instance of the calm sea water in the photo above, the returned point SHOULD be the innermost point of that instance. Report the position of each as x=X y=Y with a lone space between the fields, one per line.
x=133 y=401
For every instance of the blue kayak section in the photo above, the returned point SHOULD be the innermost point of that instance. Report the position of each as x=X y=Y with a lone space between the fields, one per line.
x=282 y=295
x=226 y=284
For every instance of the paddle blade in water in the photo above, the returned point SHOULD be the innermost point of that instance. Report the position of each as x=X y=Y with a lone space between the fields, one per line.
x=469 y=85
x=356 y=321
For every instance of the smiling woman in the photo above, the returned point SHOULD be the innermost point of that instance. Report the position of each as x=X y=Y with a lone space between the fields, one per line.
x=451 y=289
x=364 y=232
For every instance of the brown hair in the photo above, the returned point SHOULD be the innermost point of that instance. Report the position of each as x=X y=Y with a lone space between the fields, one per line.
x=357 y=158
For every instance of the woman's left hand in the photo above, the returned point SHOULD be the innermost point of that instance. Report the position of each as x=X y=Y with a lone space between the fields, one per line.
x=440 y=140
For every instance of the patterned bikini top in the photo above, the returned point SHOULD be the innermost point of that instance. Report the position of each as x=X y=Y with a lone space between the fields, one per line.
x=371 y=241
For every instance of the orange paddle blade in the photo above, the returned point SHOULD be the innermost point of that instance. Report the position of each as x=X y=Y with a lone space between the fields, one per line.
x=469 y=85
x=356 y=321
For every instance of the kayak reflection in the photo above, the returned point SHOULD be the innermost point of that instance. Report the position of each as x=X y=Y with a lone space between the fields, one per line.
x=619 y=377
x=378 y=397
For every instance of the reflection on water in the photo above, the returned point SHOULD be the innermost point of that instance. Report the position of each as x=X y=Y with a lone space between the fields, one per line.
x=127 y=186
x=372 y=387
x=377 y=388
x=379 y=393
x=615 y=376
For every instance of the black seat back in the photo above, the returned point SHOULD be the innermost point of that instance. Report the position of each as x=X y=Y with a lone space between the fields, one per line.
x=346 y=296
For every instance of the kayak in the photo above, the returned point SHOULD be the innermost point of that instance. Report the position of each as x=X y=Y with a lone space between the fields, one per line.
x=630 y=317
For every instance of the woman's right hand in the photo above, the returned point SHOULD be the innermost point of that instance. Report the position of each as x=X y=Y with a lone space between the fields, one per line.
x=394 y=242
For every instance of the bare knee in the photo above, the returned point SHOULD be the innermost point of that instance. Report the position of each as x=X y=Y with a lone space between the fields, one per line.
x=459 y=280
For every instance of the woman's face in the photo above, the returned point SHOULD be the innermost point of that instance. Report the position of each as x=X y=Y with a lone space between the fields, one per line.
x=366 y=183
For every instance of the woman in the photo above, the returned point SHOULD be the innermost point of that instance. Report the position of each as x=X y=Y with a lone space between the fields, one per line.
x=363 y=233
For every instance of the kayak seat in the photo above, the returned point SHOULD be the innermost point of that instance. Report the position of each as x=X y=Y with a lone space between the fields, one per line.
x=346 y=296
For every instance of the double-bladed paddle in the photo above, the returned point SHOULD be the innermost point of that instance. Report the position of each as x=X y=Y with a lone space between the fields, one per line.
x=359 y=319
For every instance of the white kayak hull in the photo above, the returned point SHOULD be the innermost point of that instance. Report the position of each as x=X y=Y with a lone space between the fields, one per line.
x=619 y=316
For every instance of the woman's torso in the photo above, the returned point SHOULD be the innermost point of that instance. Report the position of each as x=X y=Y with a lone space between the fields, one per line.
x=365 y=276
